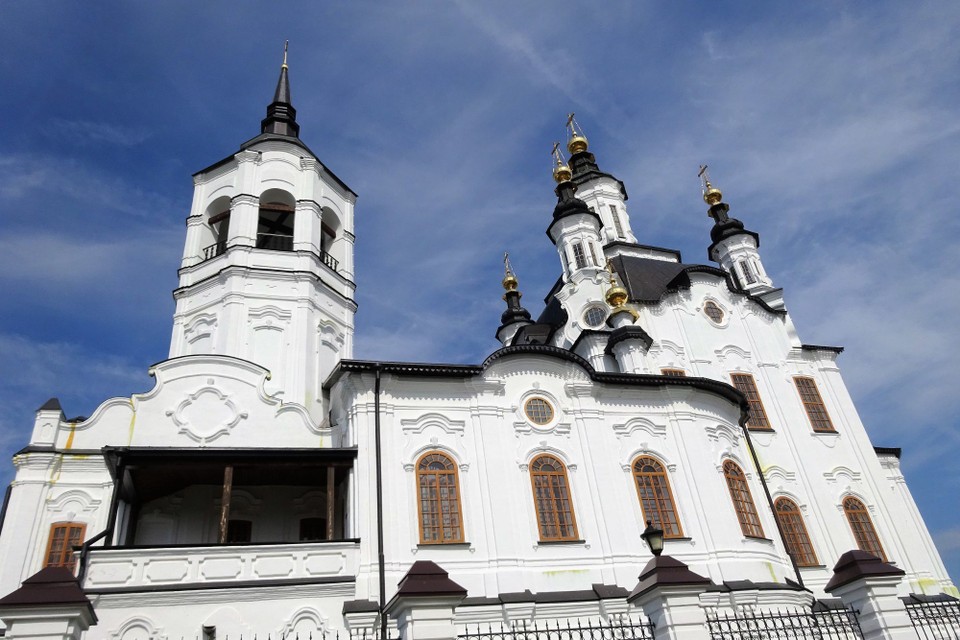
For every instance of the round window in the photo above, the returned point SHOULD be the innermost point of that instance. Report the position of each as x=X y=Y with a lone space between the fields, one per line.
x=538 y=410
x=594 y=316
x=713 y=311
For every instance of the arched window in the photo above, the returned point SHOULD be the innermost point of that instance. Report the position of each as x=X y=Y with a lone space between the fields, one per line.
x=64 y=536
x=441 y=521
x=862 y=527
x=656 y=499
x=742 y=500
x=551 y=496
x=795 y=533
x=275 y=220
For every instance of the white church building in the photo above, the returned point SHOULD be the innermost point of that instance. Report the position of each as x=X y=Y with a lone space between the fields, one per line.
x=269 y=483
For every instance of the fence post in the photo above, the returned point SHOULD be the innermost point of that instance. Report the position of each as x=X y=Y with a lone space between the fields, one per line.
x=425 y=603
x=868 y=585
x=669 y=594
x=50 y=605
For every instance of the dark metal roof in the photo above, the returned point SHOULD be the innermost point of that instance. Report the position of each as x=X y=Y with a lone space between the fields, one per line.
x=820 y=347
x=53 y=404
x=888 y=451
x=48 y=587
x=427 y=370
x=634 y=245
x=596 y=592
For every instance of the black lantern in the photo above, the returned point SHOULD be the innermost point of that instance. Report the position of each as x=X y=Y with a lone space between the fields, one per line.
x=653 y=536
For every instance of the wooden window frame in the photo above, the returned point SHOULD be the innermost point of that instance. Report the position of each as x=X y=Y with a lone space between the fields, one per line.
x=671 y=528
x=861 y=525
x=742 y=499
x=795 y=535
x=564 y=495
x=813 y=404
x=440 y=513
x=65 y=556
x=674 y=373
x=747 y=385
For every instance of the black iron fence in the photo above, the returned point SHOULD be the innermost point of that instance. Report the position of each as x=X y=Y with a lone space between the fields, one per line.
x=620 y=628
x=934 y=617
x=830 y=624
x=320 y=634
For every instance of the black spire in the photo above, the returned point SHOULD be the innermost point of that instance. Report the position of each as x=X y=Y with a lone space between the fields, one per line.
x=281 y=116
x=515 y=311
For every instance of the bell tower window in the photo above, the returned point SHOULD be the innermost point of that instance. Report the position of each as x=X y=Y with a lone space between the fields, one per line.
x=275 y=227
x=616 y=221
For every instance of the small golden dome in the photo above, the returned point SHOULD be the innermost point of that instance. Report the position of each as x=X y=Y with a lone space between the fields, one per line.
x=712 y=195
x=509 y=282
x=562 y=173
x=616 y=295
x=577 y=143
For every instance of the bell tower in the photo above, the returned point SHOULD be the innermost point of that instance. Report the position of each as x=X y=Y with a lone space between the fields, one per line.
x=267 y=270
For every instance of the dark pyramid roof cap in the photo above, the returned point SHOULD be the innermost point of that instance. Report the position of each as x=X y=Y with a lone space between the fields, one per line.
x=281 y=116
x=53 y=404
x=50 y=586
x=425 y=579
x=857 y=564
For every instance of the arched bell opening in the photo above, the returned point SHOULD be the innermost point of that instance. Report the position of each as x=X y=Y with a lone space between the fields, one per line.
x=275 y=220
x=217 y=228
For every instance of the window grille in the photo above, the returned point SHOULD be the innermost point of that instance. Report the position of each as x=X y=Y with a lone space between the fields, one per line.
x=538 y=411
x=748 y=276
x=862 y=527
x=742 y=500
x=656 y=499
x=813 y=403
x=579 y=259
x=64 y=536
x=439 y=496
x=713 y=311
x=675 y=373
x=616 y=221
x=746 y=385
x=551 y=496
x=795 y=533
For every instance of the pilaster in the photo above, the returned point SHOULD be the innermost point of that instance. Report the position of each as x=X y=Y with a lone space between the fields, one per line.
x=50 y=605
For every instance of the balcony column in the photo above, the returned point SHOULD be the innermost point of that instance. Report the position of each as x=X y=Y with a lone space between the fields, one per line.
x=225 y=503
x=331 y=496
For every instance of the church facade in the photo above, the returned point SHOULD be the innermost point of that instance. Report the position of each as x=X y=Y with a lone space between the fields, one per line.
x=270 y=483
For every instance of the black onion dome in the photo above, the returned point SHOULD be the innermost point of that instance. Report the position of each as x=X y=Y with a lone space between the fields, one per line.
x=726 y=227
x=584 y=167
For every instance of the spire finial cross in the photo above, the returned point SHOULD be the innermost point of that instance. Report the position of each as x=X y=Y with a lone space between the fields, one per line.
x=557 y=154
x=704 y=176
x=285 y=44
x=507 y=268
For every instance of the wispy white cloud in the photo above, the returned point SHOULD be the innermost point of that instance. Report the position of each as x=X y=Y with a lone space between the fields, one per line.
x=85 y=132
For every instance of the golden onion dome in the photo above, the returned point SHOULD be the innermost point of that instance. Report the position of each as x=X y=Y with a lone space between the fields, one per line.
x=616 y=295
x=562 y=173
x=509 y=282
x=712 y=195
x=577 y=143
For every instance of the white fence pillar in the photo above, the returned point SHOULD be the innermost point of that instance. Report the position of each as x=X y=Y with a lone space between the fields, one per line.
x=425 y=603
x=50 y=605
x=669 y=594
x=868 y=585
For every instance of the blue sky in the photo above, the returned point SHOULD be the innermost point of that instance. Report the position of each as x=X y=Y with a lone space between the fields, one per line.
x=832 y=128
